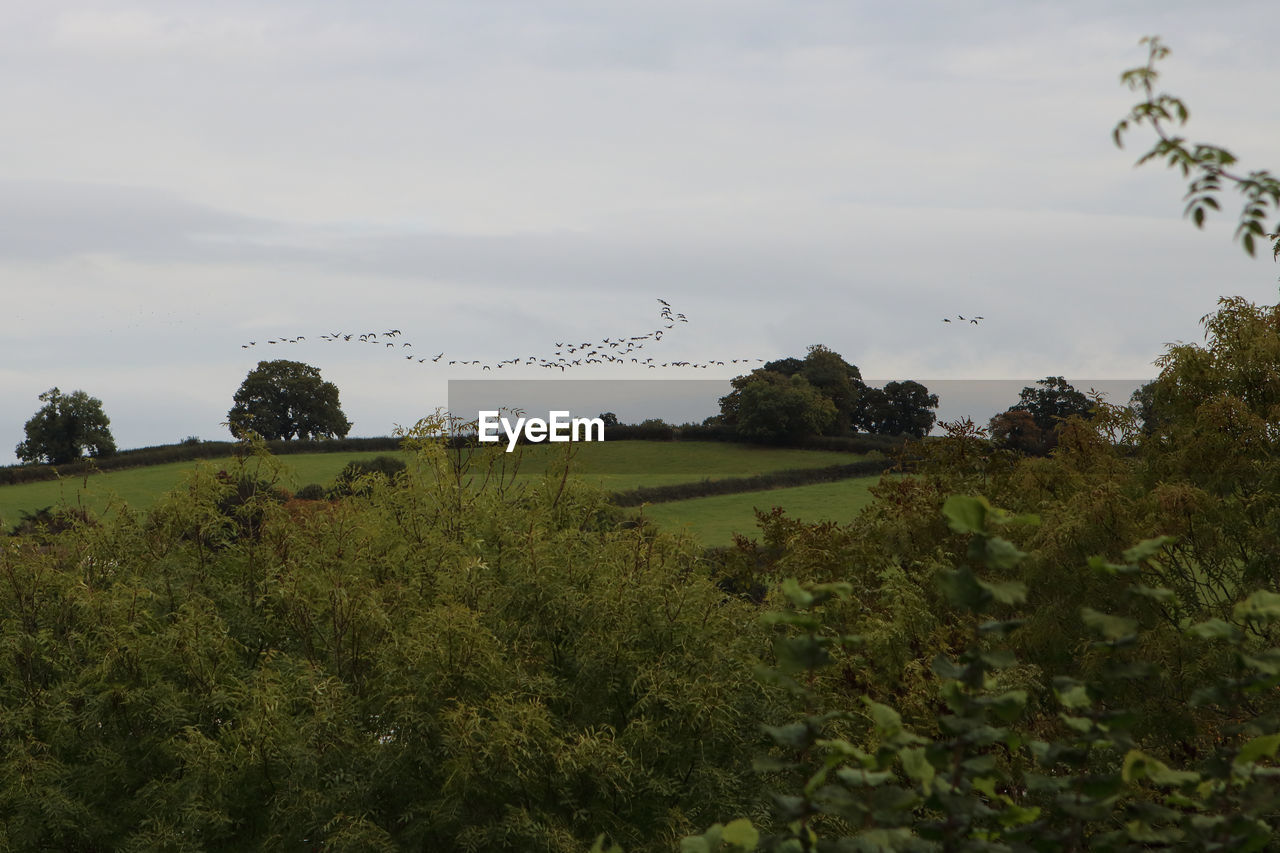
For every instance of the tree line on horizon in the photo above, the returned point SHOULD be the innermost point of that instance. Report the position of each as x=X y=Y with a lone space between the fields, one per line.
x=785 y=401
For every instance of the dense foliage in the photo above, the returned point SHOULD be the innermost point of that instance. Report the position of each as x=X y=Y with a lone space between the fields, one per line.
x=428 y=665
x=978 y=679
x=65 y=428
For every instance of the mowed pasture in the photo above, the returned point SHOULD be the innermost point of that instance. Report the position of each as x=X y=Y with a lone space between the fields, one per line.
x=613 y=466
x=714 y=520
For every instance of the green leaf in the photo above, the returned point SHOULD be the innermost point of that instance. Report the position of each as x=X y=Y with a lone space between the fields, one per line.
x=796 y=654
x=1000 y=553
x=1016 y=815
x=599 y=847
x=1160 y=594
x=1262 y=606
x=794 y=735
x=1008 y=706
x=803 y=621
x=888 y=722
x=1268 y=662
x=1147 y=548
x=741 y=833
x=998 y=658
x=1138 y=766
x=824 y=591
x=963 y=590
x=1144 y=833
x=858 y=777
x=1215 y=629
x=1101 y=564
x=944 y=667
x=799 y=597
x=966 y=514
x=1075 y=697
x=1257 y=748
x=1084 y=725
x=701 y=843
x=1110 y=627
x=1006 y=592
x=917 y=766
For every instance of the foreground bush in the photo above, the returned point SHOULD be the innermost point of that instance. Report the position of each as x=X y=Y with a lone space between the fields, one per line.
x=432 y=665
x=988 y=771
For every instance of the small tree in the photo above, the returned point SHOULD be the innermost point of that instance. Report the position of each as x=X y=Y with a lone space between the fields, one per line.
x=1053 y=402
x=900 y=408
x=285 y=399
x=1017 y=430
x=65 y=428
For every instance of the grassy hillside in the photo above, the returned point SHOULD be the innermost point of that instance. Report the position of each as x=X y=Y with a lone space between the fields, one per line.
x=714 y=520
x=139 y=487
x=611 y=465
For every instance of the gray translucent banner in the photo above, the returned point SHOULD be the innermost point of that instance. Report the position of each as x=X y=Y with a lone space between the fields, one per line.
x=690 y=401
x=675 y=401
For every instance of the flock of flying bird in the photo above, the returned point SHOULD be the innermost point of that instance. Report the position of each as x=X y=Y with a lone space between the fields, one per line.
x=568 y=354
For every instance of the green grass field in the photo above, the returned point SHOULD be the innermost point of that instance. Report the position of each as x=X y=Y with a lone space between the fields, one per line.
x=613 y=466
x=140 y=487
x=714 y=520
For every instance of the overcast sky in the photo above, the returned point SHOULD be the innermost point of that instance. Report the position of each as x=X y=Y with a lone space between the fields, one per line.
x=179 y=178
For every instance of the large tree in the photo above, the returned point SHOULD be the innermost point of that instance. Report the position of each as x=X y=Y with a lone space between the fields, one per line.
x=823 y=370
x=284 y=399
x=65 y=428
x=771 y=407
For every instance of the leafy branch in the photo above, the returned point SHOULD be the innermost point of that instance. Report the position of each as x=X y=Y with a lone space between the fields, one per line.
x=1207 y=167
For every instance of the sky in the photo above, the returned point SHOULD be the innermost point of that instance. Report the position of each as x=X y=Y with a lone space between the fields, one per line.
x=180 y=178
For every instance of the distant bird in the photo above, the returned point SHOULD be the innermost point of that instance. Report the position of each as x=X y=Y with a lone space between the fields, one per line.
x=945 y=320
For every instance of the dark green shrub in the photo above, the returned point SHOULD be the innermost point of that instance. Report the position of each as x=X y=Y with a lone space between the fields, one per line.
x=349 y=480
